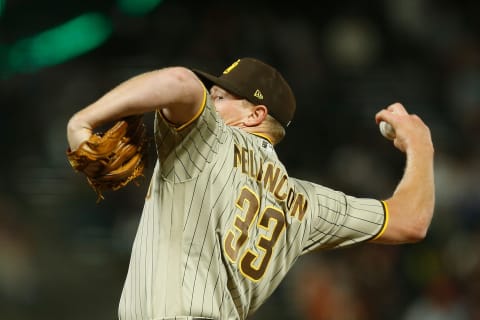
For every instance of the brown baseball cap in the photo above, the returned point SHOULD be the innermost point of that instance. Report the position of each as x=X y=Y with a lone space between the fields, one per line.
x=258 y=83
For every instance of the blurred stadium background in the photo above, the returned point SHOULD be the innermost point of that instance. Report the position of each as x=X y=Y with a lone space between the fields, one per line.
x=62 y=256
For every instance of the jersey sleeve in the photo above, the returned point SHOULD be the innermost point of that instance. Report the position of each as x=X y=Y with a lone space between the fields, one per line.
x=339 y=220
x=184 y=151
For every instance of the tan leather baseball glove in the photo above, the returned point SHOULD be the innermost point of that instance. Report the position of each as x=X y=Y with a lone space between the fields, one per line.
x=112 y=159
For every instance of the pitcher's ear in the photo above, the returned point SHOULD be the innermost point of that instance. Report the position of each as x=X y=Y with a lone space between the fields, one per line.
x=257 y=115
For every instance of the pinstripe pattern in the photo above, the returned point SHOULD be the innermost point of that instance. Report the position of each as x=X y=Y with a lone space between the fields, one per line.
x=213 y=184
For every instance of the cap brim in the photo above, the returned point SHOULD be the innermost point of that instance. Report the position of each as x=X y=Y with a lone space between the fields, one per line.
x=210 y=80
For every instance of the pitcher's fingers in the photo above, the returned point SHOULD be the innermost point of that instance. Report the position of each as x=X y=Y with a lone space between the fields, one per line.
x=397 y=108
x=385 y=115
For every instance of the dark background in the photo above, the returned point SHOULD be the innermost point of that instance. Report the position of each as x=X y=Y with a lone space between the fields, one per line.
x=62 y=256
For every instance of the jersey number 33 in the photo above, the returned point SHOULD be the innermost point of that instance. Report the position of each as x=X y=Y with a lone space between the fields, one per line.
x=253 y=262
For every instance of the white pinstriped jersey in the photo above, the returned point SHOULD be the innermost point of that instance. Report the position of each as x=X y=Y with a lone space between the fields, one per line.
x=223 y=223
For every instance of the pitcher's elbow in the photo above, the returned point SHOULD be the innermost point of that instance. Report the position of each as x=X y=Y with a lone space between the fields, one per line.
x=419 y=230
x=417 y=235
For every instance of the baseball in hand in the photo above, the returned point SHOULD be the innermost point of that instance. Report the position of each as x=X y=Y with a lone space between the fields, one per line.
x=387 y=130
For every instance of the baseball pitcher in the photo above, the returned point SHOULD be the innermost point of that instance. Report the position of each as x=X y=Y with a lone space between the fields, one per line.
x=223 y=221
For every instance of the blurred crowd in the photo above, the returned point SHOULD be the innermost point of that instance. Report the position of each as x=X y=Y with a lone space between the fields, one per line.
x=64 y=256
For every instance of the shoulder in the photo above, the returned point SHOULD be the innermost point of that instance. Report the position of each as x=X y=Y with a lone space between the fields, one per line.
x=185 y=98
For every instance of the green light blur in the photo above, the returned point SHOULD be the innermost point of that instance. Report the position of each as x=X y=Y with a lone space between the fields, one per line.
x=59 y=44
x=137 y=7
x=2 y=5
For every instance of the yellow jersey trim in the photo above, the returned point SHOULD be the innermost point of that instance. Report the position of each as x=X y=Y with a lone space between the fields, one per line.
x=385 y=222
x=195 y=117
x=199 y=112
x=264 y=136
